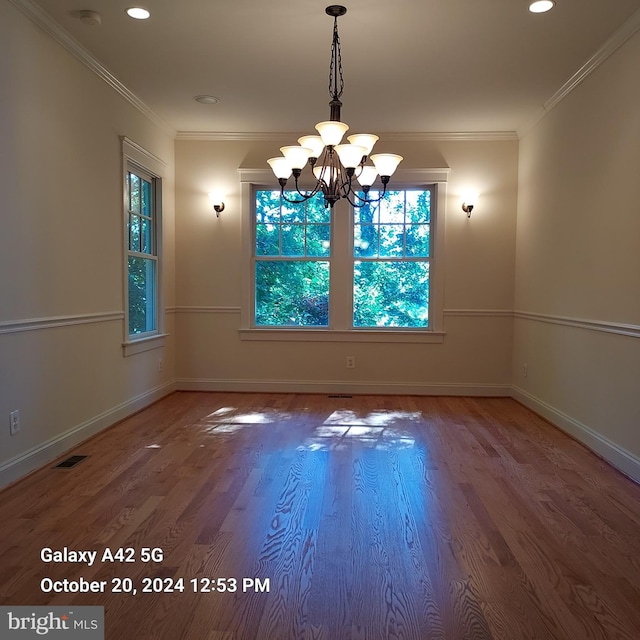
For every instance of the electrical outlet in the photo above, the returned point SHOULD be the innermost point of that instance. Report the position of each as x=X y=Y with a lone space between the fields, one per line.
x=525 y=369
x=351 y=362
x=14 y=422
x=160 y=364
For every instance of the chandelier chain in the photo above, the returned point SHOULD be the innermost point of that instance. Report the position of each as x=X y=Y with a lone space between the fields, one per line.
x=336 y=79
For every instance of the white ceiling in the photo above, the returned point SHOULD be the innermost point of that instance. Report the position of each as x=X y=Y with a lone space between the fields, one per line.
x=409 y=65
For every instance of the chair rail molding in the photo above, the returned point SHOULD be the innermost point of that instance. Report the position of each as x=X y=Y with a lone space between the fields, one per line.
x=630 y=330
x=36 y=324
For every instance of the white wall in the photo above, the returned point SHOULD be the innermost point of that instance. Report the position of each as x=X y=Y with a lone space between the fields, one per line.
x=61 y=249
x=475 y=356
x=577 y=297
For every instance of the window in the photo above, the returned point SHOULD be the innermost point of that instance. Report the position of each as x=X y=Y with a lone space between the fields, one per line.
x=142 y=254
x=367 y=273
x=144 y=313
x=392 y=253
x=292 y=261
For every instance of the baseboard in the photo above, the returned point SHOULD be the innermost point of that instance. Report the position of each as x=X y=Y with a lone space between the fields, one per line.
x=44 y=453
x=39 y=456
x=615 y=455
x=342 y=387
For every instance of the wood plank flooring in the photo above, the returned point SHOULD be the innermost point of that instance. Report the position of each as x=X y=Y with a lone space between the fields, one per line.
x=372 y=517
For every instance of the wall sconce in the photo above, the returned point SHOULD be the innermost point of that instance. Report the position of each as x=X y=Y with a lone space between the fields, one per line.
x=468 y=202
x=217 y=200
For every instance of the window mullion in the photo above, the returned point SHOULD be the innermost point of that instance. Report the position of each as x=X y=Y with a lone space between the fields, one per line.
x=341 y=294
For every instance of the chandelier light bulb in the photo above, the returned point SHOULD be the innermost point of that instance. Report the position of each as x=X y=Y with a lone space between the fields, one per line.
x=280 y=167
x=366 y=140
x=331 y=132
x=296 y=156
x=386 y=163
x=350 y=155
x=367 y=176
x=314 y=143
x=326 y=173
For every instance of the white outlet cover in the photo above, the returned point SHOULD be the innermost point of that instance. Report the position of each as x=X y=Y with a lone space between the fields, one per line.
x=14 y=422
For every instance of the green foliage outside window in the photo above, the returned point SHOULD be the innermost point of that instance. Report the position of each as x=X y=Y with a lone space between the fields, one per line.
x=292 y=244
x=292 y=293
x=142 y=280
x=392 y=246
x=391 y=294
x=391 y=261
x=141 y=260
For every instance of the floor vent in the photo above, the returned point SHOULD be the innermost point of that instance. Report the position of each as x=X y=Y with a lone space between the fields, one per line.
x=70 y=462
x=339 y=396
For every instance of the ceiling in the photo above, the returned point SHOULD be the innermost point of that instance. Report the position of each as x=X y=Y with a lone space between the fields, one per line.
x=409 y=65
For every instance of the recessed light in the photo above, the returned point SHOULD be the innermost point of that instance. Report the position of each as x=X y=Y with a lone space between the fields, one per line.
x=541 y=6
x=138 y=13
x=207 y=99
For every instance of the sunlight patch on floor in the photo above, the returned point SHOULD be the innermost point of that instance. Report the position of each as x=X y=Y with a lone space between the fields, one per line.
x=375 y=430
x=226 y=415
x=379 y=429
x=379 y=418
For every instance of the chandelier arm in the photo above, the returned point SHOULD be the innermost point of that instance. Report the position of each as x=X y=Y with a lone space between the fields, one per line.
x=357 y=172
x=304 y=196
x=312 y=193
x=346 y=184
x=366 y=200
x=351 y=202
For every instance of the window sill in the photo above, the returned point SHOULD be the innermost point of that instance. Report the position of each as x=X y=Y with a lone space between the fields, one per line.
x=327 y=335
x=132 y=347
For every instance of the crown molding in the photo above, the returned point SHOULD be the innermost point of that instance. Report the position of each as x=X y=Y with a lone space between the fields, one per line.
x=626 y=31
x=60 y=35
x=229 y=136
x=145 y=159
x=64 y=38
x=264 y=175
x=454 y=136
x=224 y=136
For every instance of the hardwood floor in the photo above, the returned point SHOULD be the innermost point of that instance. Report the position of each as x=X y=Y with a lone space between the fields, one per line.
x=370 y=517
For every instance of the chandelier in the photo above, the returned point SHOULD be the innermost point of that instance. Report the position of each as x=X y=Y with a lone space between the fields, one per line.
x=336 y=166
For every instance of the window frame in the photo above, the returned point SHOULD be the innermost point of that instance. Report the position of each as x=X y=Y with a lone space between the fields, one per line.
x=342 y=227
x=144 y=164
x=284 y=258
x=388 y=259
